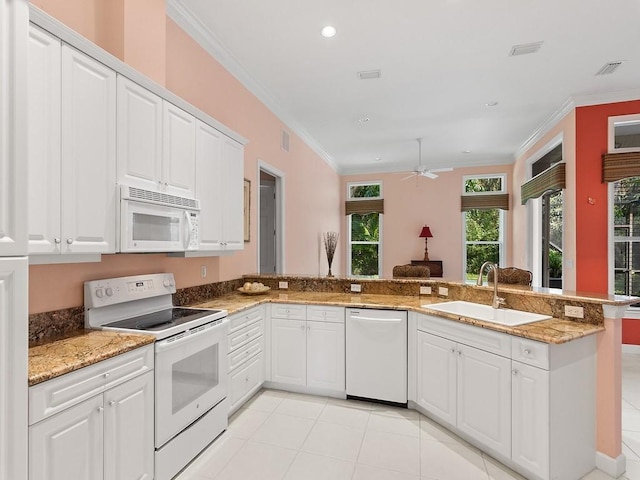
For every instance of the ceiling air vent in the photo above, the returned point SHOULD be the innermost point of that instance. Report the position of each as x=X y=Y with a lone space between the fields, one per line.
x=369 y=74
x=525 y=49
x=609 y=68
x=284 y=141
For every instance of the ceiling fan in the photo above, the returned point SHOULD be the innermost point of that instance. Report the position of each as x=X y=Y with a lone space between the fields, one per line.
x=420 y=171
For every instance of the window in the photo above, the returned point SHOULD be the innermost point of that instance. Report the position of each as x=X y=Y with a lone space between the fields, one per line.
x=624 y=133
x=365 y=229
x=483 y=228
x=626 y=236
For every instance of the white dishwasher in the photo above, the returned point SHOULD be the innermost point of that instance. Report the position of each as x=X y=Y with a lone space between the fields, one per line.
x=376 y=360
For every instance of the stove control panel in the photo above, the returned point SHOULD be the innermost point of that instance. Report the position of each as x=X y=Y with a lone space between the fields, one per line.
x=112 y=291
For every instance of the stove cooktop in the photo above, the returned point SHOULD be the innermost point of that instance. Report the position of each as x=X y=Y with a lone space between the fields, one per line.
x=162 y=320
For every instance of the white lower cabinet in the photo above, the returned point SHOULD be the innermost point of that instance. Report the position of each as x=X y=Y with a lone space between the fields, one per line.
x=467 y=388
x=528 y=403
x=109 y=435
x=308 y=353
x=246 y=355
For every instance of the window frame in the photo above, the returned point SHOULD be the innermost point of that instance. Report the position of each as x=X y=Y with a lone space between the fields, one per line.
x=502 y=222
x=632 y=312
x=380 y=228
x=635 y=117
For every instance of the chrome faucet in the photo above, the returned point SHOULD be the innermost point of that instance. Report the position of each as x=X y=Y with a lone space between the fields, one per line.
x=497 y=301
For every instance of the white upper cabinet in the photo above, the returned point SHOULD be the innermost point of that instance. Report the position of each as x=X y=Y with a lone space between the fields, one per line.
x=232 y=194
x=208 y=183
x=179 y=151
x=88 y=187
x=139 y=136
x=71 y=157
x=219 y=187
x=43 y=103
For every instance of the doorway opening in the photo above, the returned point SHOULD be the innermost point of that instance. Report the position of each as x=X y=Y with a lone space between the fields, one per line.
x=271 y=224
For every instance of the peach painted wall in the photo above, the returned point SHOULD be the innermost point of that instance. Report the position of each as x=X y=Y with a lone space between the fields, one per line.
x=521 y=222
x=410 y=204
x=312 y=187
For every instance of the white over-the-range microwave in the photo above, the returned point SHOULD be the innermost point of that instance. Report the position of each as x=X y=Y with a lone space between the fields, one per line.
x=157 y=222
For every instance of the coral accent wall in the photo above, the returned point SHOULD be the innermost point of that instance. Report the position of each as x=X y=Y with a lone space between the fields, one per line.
x=410 y=204
x=312 y=187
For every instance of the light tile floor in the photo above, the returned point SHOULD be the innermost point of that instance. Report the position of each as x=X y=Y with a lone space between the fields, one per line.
x=279 y=435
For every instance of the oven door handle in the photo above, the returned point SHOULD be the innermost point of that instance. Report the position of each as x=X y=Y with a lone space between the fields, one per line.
x=189 y=226
x=178 y=340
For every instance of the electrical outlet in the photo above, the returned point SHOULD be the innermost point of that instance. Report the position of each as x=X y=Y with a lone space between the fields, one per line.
x=444 y=291
x=283 y=285
x=573 y=311
x=425 y=290
x=203 y=271
x=356 y=287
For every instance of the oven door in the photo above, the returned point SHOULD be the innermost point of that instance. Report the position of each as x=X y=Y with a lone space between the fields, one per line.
x=191 y=378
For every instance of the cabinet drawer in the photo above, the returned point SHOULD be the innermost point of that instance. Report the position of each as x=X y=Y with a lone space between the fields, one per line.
x=322 y=313
x=286 y=310
x=239 y=320
x=244 y=353
x=246 y=378
x=530 y=352
x=48 y=398
x=490 y=341
x=244 y=335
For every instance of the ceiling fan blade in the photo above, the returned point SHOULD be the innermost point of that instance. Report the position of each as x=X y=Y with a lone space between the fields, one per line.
x=446 y=169
x=408 y=177
x=429 y=174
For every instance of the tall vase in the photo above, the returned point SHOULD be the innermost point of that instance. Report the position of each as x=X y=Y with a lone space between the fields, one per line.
x=329 y=274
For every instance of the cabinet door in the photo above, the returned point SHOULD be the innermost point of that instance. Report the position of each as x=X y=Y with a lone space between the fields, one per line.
x=129 y=442
x=179 y=151
x=233 y=199
x=436 y=389
x=14 y=299
x=325 y=355
x=88 y=154
x=209 y=185
x=289 y=351
x=484 y=397
x=530 y=418
x=139 y=136
x=43 y=178
x=68 y=445
x=246 y=379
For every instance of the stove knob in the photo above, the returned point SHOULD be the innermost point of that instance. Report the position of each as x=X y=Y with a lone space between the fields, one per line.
x=99 y=293
x=109 y=291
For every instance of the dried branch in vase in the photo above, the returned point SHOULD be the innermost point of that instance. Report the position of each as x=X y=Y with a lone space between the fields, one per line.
x=330 y=243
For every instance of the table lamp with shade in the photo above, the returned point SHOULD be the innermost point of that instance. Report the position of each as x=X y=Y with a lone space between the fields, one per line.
x=425 y=233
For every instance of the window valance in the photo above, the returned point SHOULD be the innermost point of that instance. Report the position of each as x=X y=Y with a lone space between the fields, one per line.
x=616 y=166
x=364 y=206
x=484 y=202
x=553 y=178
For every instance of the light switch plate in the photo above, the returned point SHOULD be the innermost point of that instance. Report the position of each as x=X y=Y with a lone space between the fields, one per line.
x=283 y=285
x=425 y=290
x=444 y=291
x=573 y=311
x=356 y=287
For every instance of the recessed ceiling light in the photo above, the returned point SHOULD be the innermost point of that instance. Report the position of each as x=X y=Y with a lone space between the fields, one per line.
x=378 y=159
x=466 y=151
x=492 y=103
x=364 y=119
x=328 y=31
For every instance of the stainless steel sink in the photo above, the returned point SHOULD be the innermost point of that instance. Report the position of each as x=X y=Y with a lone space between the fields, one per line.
x=502 y=316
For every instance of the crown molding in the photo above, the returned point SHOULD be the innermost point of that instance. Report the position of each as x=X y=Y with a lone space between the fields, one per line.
x=405 y=168
x=177 y=11
x=545 y=127
x=609 y=97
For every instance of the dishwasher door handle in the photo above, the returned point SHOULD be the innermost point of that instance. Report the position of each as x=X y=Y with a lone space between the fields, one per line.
x=381 y=320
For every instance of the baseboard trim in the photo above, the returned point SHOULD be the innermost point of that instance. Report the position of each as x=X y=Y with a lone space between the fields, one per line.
x=630 y=348
x=614 y=467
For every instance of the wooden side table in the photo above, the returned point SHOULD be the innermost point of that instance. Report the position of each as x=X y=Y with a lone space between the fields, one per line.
x=435 y=266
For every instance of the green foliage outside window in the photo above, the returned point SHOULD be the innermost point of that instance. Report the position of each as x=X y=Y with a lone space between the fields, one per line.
x=626 y=212
x=365 y=238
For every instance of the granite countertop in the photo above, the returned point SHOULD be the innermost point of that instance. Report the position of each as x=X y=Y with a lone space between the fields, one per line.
x=549 y=331
x=51 y=359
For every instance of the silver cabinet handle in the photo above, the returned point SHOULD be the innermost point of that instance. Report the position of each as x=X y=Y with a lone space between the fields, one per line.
x=57 y=240
x=112 y=403
x=527 y=351
x=69 y=241
x=459 y=352
x=514 y=372
x=453 y=350
x=106 y=375
x=100 y=409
